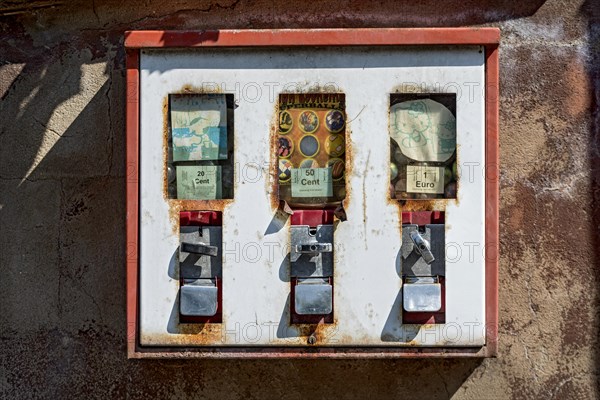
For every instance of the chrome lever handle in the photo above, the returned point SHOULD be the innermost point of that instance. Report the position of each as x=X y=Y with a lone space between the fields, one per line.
x=422 y=247
x=200 y=248
x=314 y=248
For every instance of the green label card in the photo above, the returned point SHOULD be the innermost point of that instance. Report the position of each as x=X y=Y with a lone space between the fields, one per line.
x=421 y=179
x=202 y=182
x=199 y=126
x=312 y=182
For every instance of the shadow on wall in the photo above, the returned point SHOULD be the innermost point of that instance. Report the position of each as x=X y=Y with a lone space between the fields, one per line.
x=62 y=208
x=61 y=184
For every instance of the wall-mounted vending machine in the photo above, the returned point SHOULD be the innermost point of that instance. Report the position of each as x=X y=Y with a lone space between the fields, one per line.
x=312 y=193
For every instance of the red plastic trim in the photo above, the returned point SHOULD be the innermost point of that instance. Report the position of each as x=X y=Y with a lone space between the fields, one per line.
x=312 y=218
x=200 y=218
x=423 y=217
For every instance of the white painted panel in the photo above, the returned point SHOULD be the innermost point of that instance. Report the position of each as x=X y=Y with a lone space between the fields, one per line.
x=255 y=272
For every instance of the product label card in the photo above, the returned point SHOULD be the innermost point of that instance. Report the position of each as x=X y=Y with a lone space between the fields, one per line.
x=199 y=127
x=199 y=182
x=424 y=129
x=312 y=182
x=421 y=179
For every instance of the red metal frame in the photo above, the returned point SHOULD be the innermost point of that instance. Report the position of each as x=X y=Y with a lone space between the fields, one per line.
x=488 y=37
x=133 y=156
x=313 y=37
x=492 y=196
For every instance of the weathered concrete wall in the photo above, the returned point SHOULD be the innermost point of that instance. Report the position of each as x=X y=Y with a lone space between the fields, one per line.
x=62 y=184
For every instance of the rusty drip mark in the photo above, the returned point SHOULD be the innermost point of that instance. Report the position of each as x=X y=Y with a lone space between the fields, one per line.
x=457 y=178
x=272 y=180
x=348 y=172
x=191 y=89
x=207 y=334
x=364 y=204
x=319 y=333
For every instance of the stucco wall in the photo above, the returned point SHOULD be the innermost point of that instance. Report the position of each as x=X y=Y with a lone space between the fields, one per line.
x=62 y=215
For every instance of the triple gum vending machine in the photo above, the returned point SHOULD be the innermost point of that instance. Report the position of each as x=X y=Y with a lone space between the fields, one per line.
x=328 y=193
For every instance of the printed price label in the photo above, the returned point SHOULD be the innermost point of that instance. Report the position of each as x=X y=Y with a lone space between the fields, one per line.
x=420 y=179
x=199 y=182
x=312 y=182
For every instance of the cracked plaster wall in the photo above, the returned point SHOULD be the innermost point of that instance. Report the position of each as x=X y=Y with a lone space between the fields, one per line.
x=62 y=183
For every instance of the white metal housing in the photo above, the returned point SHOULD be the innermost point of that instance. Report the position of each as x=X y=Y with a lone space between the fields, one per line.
x=367 y=288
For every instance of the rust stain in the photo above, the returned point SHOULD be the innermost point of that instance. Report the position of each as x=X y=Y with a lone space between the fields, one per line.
x=424 y=205
x=457 y=178
x=190 y=335
x=191 y=89
x=349 y=168
x=317 y=334
x=272 y=181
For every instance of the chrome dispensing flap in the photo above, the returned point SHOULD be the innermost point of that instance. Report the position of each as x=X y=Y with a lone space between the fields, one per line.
x=313 y=297
x=422 y=294
x=198 y=298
